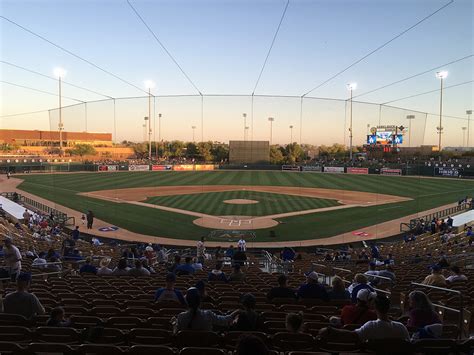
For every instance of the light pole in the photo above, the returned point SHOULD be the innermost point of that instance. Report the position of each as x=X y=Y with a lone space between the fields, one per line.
x=463 y=136
x=149 y=85
x=159 y=134
x=468 y=113
x=351 y=87
x=271 y=119
x=194 y=128
x=368 y=128
x=144 y=130
x=409 y=118
x=244 y=115
x=60 y=73
x=291 y=134
x=246 y=132
x=441 y=75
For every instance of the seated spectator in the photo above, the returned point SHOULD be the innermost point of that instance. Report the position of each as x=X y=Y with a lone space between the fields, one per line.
x=436 y=278
x=88 y=268
x=422 y=312
x=104 y=267
x=312 y=289
x=237 y=274
x=55 y=265
x=40 y=261
x=186 y=268
x=338 y=291
x=382 y=328
x=456 y=275
x=288 y=254
x=443 y=262
x=229 y=253
x=146 y=266
x=175 y=264
x=138 y=270
x=121 y=269
x=251 y=345
x=150 y=253
x=197 y=266
x=217 y=274
x=294 y=322
x=57 y=318
x=75 y=233
x=248 y=319
x=361 y=312
x=201 y=286
x=169 y=293
x=389 y=273
x=196 y=319
x=219 y=254
x=282 y=290
x=240 y=257
x=372 y=271
x=21 y=301
x=360 y=283
x=52 y=254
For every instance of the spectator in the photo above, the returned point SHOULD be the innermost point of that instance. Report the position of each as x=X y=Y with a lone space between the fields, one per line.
x=195 y=318
x=22 y=302
x=186 y=268
x=449 y=222
x=75 y=233
x=422 y=312
x=240 y=257
x=176 y=263
x=372 y=271
x=436 y=278
x=251 y=345
x=12 y=257
x=169 y=293
x=219 y=254
x=230 y=252
x=388 y=272
x=242 y=244
x=288 y=254
x=200 y=250
x=294 y=322
x=40 y=261
x=197 y=266
x=443 y=262
x=88 y=268
x=90 y=219
x=104 y=267
x=248 y=319
x=201 y=286
x=282 y=290
x=121 y=269
x=456 y=275
x=150 y=253
x=312 y=289
x=360 y=283
x=237 y=274
x=138 y=270
x=146 y=266
x=338 y=291
x=57 y=318
x=217 y=274
x=361 y=312
x=382 y=328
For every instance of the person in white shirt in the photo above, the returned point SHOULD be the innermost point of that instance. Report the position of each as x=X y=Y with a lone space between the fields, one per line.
x=104 y=267
x=382 y=328
x=200 y=250
x=12 y=258
x=456 y=275
x=242 y=244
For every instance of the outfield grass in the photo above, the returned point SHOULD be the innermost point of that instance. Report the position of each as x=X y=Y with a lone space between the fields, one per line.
x=426 y=193
x=269 y=203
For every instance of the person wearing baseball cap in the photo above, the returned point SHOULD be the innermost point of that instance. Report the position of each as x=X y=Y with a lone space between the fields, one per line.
x=21 y=301
x=360 y=312
x=169 y=293
x=312 y=289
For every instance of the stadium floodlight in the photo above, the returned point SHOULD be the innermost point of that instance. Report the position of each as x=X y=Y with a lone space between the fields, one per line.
x=291 y=134
x=60 y=73
x=351 y=87
x=441 y=75
x=244 y=115
x=409 y=118
x=149 y=84
x=193 y=128
x=271 y=120
x=468 y=113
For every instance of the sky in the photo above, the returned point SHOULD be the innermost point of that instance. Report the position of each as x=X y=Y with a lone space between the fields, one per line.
x=221 y=45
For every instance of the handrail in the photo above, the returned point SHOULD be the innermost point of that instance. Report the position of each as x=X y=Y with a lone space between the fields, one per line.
x=341 y=269
x=377 y=276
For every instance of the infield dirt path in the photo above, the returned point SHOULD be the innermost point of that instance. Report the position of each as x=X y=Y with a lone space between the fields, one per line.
x=381 y=230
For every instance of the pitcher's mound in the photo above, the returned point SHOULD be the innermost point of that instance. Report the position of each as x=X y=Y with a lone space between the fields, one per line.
x=240 y=201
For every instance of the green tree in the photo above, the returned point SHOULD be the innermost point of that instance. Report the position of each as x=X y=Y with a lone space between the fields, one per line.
x=220 y=152
x=177 y=149
x=204 y=149
x=276 y=155
x=140 y=150
x=82 y=150
x=294 y=153
x=191 y=150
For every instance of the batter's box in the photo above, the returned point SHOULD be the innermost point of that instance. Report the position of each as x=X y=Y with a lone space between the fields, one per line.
x=236 y=222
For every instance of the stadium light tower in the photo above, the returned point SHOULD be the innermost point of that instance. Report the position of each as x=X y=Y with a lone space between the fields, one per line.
x=60 y=73
x=468 y=113
x=271 y=119
x=149 y=85
x=194 y=128
x=159 y=133
x=463 y=136
x=291 y=134
x=441 y=75
x=409 y=118
x=351 y=87
x=244 y=115
x=246 y=132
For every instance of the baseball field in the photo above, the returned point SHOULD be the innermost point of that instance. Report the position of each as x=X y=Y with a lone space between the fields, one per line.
x=278 y=205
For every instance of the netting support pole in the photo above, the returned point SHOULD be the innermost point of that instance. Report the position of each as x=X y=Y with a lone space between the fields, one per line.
x=202 y=118
x=301 y=120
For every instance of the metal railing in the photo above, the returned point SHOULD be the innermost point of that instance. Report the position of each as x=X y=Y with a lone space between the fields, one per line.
x=438 y=214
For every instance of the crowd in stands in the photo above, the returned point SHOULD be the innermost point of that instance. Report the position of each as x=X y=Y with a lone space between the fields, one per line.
x=54 y=277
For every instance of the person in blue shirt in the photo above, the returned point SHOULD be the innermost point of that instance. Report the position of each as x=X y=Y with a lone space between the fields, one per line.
x=230 y=252
x=169 y=293
x=88 y=268
x=75 y=233
x=312 y=289
x=217 y=274
x=288 y=254
x=186 y=268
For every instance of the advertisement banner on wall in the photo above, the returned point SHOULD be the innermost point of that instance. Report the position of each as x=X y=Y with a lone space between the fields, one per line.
x=184 y=167
x=138 y=167
x=316 y=169
x=112 y=167
x=103 y=168
x=161 y=167
x=290 y=168
x=450 y=172
x=204 y=167
x=388 y=171
x=361 y=171
x=334 y=169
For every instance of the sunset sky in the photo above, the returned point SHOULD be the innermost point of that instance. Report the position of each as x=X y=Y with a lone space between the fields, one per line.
x=221 y=45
